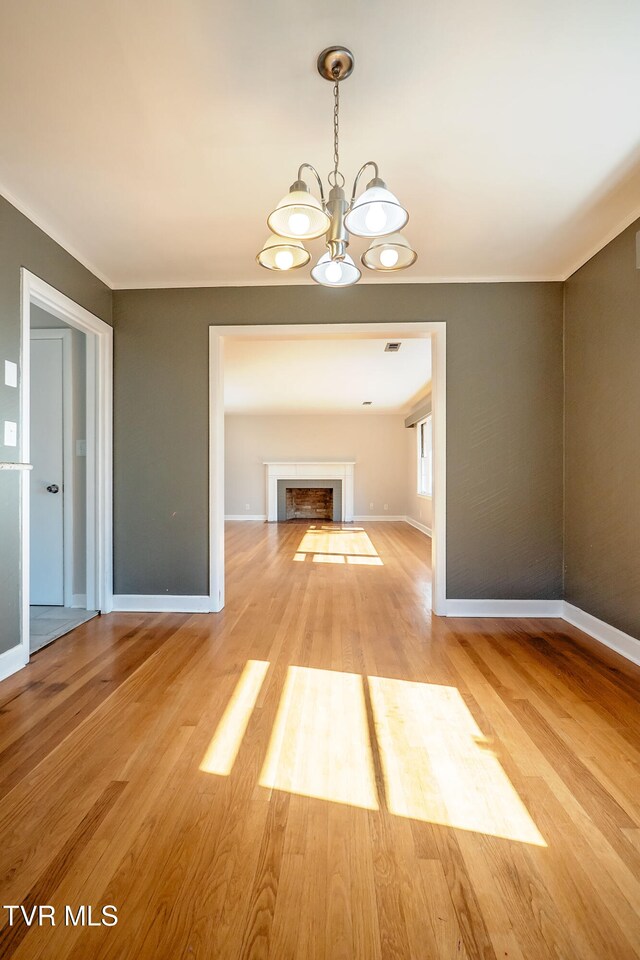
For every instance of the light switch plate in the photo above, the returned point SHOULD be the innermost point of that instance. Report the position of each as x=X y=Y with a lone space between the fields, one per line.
x=10 y=373
x=10 y=433
x=81 y=448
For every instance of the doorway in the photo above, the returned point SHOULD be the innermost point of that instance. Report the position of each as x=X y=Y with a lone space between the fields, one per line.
x=58 y=497
x=435 y=331
x=66 y=400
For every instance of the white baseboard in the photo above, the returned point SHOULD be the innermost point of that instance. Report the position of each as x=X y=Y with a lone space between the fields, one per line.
x=504 y=608
x=623 y=643
x=419 y=526
x=79 y=600
x=141 y=603
x=246 y=516
x=12 y=660
x=385 y=516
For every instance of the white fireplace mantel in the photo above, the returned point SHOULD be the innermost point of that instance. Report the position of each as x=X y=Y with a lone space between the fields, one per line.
x=308 y=470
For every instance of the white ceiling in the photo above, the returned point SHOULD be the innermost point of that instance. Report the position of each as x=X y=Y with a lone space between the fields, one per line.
x=152 y=139
x=324 y=376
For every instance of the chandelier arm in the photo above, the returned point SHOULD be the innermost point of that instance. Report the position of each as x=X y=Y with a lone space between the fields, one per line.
x=316 y=175
x=369 y=163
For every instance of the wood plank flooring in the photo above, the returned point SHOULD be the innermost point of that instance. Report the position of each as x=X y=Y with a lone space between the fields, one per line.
x=323 y=772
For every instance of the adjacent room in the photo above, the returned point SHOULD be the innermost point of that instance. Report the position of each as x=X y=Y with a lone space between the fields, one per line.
x=319 y=501
x=332 y=436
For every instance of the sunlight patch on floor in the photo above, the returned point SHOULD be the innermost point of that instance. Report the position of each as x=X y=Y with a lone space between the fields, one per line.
x=435 y=765
x=320 y=740
x=228 y=737
x=338 y=545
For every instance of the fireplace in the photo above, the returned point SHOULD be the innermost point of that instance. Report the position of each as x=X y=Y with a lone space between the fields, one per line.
x=309 y=503
x=313 y=499
x=336 y=475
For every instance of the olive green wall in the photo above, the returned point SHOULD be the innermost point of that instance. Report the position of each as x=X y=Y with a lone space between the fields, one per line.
x=602 y=447
x=504 y=424
x=22 y=244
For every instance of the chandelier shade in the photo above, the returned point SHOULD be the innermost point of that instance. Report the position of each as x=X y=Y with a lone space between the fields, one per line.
x=376 y=212
x=393 y=252
x=299 y=215
x=280 y=253
x=335 y=273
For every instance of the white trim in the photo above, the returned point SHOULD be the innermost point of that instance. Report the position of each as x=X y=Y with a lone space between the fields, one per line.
x=376 y=519
x=303 y=280
x=216 y=473
x=13 y=660
x=79 y=601
x=141 y=603
x=439 y=487
x=419 y=526
x=357 y=519
x=418 y=428
x=435 y=330
x=623 y=643
x=505 y=608
x=99 y=441
x=52 y=233
x=246 y=516
x=68 y=513
x=308 y=470
x=207 y=283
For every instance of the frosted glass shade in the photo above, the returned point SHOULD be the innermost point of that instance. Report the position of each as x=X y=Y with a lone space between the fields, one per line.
x=299 y=215
x=375 y=214
x=389 y=253
x=335 y=273
x=280 y=253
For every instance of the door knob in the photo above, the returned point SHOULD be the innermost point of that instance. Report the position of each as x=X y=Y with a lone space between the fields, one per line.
x=53 y=488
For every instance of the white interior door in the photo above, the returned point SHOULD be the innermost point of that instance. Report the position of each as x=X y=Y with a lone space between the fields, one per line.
x=47 y=512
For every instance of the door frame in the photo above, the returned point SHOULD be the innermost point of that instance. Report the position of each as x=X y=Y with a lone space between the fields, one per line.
x=68 y=373
x=436 y=331
x=99 y=426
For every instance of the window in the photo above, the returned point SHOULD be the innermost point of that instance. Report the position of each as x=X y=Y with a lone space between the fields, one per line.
x=425 y=457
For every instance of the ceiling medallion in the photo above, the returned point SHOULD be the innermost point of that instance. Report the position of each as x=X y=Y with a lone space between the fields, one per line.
x=376 y=214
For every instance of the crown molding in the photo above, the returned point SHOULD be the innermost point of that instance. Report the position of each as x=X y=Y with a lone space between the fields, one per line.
x=120 y=286
x=308 y=282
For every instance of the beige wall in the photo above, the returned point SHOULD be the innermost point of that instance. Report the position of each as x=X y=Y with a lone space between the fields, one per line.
x=376 y=442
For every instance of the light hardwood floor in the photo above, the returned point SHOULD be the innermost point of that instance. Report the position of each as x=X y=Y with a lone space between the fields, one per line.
x=323 y=772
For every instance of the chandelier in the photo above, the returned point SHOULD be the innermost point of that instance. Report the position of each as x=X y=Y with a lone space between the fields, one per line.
x=376 y=214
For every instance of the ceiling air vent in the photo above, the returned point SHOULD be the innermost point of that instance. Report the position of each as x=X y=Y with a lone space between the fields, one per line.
x=392 y=347
x=367 y=403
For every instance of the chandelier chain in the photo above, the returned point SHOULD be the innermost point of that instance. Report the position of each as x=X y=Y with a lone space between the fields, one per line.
x=335 y=178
